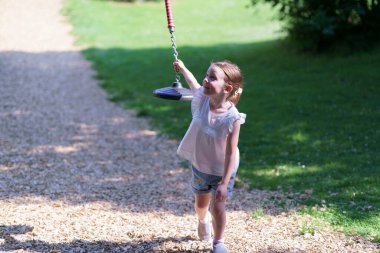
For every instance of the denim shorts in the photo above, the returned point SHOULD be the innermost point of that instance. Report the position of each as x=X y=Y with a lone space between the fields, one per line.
x=204 y=183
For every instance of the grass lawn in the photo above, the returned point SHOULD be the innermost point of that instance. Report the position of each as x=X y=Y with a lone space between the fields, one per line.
x=313 y=122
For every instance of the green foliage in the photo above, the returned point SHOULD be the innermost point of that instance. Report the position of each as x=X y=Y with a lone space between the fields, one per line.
x=318 y=25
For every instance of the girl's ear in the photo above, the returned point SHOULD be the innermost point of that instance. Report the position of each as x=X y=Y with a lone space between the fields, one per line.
x=228 y=88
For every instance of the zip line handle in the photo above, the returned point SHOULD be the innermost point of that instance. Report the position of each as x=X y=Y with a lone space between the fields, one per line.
x=171 y=27
x=169 y=15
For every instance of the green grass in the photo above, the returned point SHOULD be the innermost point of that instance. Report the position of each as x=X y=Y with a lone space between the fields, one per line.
x=312 y=121
x=258 y=213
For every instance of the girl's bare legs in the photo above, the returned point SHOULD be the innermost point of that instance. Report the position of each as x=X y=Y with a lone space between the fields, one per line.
x=218 y=212
x=202 y=202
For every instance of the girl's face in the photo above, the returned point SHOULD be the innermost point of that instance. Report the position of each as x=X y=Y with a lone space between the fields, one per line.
x=214 y=83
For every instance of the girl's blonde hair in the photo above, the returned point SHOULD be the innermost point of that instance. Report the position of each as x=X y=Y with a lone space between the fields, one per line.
x=234 y=77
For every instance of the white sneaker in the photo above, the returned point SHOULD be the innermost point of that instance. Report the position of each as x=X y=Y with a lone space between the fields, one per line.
x=219 y=247
x=204 y=229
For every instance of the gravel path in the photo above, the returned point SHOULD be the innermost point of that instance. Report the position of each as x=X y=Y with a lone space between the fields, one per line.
x=79 y=174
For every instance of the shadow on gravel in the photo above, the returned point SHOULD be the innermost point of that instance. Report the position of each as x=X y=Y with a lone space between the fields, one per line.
x=10 y=243
x=61 y=139
x=14 y=230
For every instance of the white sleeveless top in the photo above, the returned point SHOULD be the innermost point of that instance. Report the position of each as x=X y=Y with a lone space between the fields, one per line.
x=204 y=143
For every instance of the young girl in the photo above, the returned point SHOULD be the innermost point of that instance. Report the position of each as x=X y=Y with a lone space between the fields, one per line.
x=210 y=144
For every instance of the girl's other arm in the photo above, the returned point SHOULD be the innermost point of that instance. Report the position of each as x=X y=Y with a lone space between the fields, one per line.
x=229 y=164
x=179 y=66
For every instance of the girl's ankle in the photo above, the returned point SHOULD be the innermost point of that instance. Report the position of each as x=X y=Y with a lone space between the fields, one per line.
x=216 y=241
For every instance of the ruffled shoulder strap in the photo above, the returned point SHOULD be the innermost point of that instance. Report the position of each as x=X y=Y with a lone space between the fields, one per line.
x=197 y=100
x=235 y=115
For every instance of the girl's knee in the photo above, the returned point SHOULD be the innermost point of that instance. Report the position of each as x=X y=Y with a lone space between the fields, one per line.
x=218 y=208
x=202 y=201
x=201 y=205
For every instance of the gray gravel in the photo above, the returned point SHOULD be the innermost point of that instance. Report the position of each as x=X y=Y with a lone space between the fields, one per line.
x=79 y=174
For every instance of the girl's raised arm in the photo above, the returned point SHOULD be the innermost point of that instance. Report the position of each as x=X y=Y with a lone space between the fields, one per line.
x=180 y=67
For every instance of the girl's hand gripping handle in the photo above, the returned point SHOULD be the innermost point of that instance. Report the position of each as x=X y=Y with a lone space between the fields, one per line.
x=190 y=79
